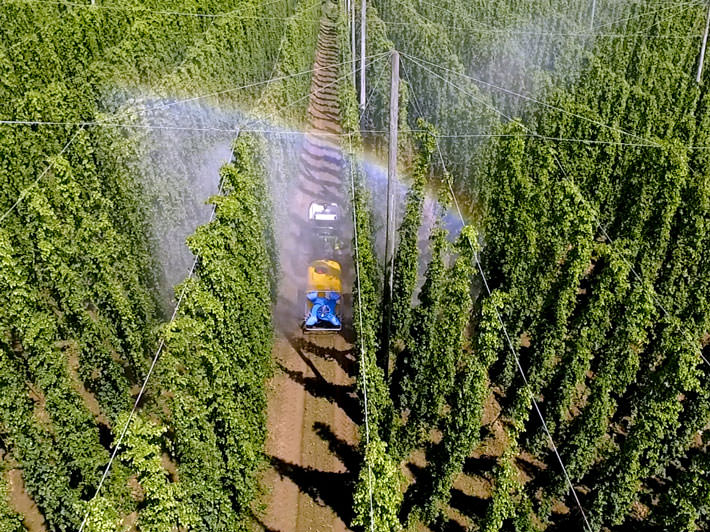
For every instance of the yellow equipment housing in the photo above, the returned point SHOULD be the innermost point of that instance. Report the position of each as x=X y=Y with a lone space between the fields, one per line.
x=324 y=276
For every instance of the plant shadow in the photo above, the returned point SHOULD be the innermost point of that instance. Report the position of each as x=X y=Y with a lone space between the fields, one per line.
x=345 y=452
x=334 y=490
x=340 y=394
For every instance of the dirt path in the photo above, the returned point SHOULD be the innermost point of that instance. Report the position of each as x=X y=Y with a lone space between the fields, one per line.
x=19 y=500
x=313 y=408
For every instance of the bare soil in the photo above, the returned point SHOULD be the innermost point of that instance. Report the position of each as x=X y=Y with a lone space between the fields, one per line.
x=22 y=503
x=313 y=410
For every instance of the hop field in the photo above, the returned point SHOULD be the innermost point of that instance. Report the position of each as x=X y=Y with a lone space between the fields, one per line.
x=531 y=354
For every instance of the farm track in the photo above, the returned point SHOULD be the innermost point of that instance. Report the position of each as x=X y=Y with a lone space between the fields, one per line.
x=313 y=409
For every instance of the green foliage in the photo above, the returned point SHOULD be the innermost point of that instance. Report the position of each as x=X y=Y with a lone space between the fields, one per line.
x=378 y=467
x=218 y=355
x=366 y=305
x=607 y=332
x=619 y=382
x=375 y=116
x=420 y=362
x=102 y=516
x=610 y=381
x=45 y=474
x=379 y=473
x=429 y=364
x=451 y=109
x=505 y=489
x=10 y=520
x=284 y=97
x=684 y=507
x=163 y=506
x=461 y=428
x=381 y=477
x=79 y=273
x=366 y=290
x=656 y=413
x=378 y=491
x=60 y=264
x=406 y=256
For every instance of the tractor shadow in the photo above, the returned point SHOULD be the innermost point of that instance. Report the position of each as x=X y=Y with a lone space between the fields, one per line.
x=343 y=357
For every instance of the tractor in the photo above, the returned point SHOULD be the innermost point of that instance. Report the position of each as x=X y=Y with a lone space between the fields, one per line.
x=322 y=296
x=324 y=290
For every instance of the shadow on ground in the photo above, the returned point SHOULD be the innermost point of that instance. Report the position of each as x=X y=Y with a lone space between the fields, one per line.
x=469 y=506
x=334 y=490
x=342 y=357
x=345 y=452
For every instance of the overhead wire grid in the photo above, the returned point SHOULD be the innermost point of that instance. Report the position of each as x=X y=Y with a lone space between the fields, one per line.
x=687 y=335
x=470 y=24
x=191 y=272
x=158 y=107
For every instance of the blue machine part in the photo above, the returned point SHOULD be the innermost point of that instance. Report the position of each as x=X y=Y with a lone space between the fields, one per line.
x=323 y=309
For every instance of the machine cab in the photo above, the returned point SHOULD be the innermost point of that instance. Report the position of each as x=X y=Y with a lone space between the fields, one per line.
x=326 y=229
x=324 y=215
